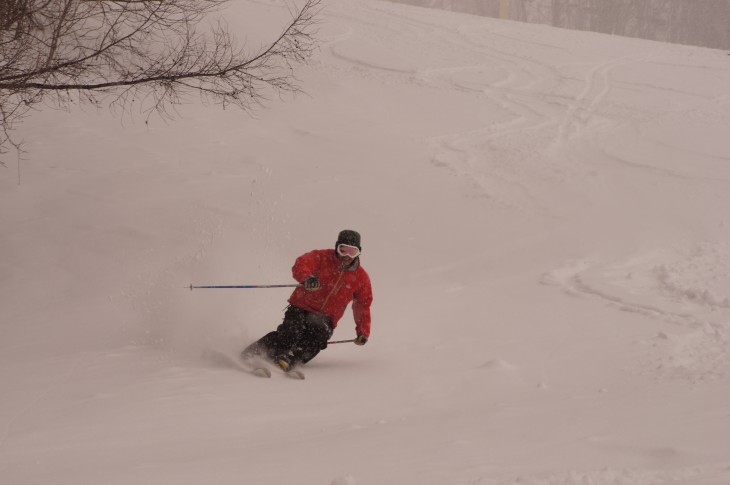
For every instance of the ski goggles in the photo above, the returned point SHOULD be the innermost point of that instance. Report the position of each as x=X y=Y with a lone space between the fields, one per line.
x=345 y=250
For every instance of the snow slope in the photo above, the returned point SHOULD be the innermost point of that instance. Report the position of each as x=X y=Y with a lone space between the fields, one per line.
x=544 y=217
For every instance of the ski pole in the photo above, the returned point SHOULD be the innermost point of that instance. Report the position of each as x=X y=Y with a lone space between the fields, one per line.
x=243 y=286
x=341 y=341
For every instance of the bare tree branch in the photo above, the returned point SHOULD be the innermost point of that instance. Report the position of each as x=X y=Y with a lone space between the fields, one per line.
x=62 y=52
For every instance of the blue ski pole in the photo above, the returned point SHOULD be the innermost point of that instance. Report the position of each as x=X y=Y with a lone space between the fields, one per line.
x=244 y=286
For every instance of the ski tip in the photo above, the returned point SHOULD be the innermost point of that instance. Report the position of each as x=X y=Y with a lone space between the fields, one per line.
x=295 y=374
x=261 y=372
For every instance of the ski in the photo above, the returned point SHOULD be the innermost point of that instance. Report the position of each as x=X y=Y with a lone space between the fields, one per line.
x=260 y=372
x=295 y=374
x=255 y=367
x=259 y=367
x=285 y=367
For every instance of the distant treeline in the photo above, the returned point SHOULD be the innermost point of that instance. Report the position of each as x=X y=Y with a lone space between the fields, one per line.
x=694 y=22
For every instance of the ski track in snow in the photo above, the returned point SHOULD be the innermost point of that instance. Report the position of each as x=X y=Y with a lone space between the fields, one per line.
x=567 y=122
x=572 y=109
x=553 y=109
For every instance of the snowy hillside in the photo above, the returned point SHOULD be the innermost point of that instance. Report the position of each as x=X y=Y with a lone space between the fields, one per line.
x=544 y=217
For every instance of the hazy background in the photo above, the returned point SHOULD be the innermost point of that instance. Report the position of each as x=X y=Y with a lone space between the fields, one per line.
x=694 y=22
x=545 y=221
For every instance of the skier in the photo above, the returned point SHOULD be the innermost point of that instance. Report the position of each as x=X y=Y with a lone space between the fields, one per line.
x=330 y=279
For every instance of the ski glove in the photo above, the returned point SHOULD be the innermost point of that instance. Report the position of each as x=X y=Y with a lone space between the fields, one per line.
x=311 y=284
x=361 y=340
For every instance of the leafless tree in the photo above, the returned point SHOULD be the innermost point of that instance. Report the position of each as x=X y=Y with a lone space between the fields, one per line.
x=65 y=52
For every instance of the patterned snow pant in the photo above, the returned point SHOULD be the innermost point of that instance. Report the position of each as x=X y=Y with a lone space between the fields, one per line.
x=297 y=340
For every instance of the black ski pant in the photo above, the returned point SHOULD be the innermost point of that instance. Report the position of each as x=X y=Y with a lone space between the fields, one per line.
x=297 y=340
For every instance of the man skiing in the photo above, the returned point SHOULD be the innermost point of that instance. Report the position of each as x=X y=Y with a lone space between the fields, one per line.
x=330 y=279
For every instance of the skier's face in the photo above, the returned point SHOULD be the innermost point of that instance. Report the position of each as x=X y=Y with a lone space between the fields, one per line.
x=345 y=260
x=347 y=251
x=346 y=254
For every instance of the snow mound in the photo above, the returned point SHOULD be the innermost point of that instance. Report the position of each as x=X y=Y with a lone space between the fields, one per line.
x=498 y=365
x=681 y=285
x=346 y=480
x=695 y=356
x=684 y=286
x=617 y=476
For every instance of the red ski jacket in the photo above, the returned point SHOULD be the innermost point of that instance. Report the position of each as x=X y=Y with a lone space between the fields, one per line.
x=340 y=286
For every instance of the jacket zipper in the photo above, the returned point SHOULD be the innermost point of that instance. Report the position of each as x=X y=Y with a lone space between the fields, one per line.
x=334 y=288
